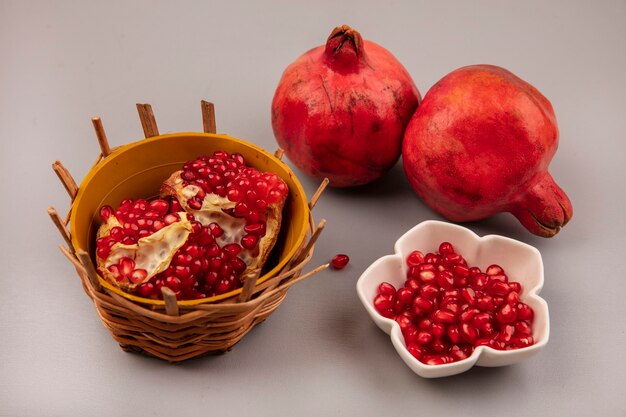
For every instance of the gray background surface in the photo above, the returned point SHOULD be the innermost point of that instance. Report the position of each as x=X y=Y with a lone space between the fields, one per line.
x=319 y=354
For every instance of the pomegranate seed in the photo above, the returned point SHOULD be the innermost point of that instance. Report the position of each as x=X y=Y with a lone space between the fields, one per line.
x=171 y=218
x=405 y=295
x=194 y=203
x=146 y=290
x=415 y=350
x=446 y=248
x=445 y=279
x=522 y=328
x=422 y=305
x=105 y=213
x=429 y=291
x=249 y=241
x=216 y=230
x=383 y=302
x=507 y=314
x=173 y=283
x=515 y=287
x=340 y=261
x=453 y=334
x=138 y=275
x=424 y=337
x=524 y=312
x=386 y=288
x=497 y=288
x=427 y=276
x=255 y=229
x=494 y=270
x=444 y=316
x=415 y=258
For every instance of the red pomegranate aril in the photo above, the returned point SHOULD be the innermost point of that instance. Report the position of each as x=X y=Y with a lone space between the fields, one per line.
x=429 y=291
x=512 y=298
x=182 y=272
x=436 y=359
x=424 y=337
x=413 y=284
x=452 y=258
x=468 y=314
x=427 y=277
x=453 y=334
x=383 y=302
x=340 y=261
x=458 y=354
x=522 y=328
x=438 y=330
x=523 y=341
x=405 y=295
x=480 y=281
x=249 y=241
x=485 y=303
x=444 y=316
x=446 y=248
x=386 y=288
x=403 y=321
x=255 y=229
x=494 y=270
x=445 y=279
x=146 y=290
x=422 y=305
x=129 y=240
x=138 y=275
x=425 y=324
x=416 y=350
x=515 y=286
x=173 y=283
x=461 y=270
x=216 y=230
x=106 y=212
x=171 y=218
x=524 y=312
x=506 y=333
x=415 y=258
x=497 y=288
x=437 y=345
x=469 y=295
x=468 y=332
x=507 y=314
x=426 y=267
x=232 y=249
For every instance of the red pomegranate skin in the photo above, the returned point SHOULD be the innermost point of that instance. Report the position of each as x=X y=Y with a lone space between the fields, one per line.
x=340 y=110
x=480 y=143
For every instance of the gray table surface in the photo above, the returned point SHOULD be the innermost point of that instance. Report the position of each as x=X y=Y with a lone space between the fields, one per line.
x=319 y=354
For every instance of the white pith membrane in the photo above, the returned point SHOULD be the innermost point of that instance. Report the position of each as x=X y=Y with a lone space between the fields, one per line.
x=152 y=253
x=212 y=211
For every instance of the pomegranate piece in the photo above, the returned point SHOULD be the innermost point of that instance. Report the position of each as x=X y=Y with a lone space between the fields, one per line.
x=340 y=261
x=194 y=240
x=340 y=109
x=479 y=144
x=445 y=312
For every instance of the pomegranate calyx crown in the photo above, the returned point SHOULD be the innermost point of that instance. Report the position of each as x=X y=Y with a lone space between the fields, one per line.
x=346 y=57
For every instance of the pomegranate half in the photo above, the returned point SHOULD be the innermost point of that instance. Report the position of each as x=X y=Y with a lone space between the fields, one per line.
x=480 y=143
x=340 y=109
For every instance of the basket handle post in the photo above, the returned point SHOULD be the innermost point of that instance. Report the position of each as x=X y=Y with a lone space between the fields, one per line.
x=279 y=153
x=85 y=260
x=66 y=179
x=318 y=193
x=171 y=306
x=208 y=117
x=148 y=122
x=58 y=222
x=102 y=137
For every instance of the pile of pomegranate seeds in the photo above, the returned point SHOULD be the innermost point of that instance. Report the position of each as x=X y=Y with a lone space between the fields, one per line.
x=445 y=308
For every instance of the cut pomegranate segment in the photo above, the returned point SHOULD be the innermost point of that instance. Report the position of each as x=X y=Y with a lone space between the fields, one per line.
x=244 y=205
x=215 y=225
x=445 y=308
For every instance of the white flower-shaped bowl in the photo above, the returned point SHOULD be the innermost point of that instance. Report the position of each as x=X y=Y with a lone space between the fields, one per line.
x=521 y=262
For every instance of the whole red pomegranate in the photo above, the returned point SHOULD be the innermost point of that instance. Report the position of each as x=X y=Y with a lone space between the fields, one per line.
x=340 y=110
x=480 y=143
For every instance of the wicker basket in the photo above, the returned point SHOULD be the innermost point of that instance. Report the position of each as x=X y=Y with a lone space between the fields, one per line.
x=169 y=329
